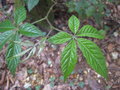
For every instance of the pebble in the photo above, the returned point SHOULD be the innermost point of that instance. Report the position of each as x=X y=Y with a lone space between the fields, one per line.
x=28 y=78
x=85 y=72
x=98 y=76
x=115 y=55
x=88 y=70
x=99 y=81
x=115 y=34
x=27 y=85
x=80 y=78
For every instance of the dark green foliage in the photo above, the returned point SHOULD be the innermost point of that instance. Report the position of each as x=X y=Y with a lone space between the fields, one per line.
x=11 y=34
x=87 y=9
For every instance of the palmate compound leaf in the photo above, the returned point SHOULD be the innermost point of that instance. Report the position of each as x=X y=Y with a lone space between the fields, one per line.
x=6 y=25
x=4 y=37
x=60 y=38
x=19 y=15
x=94 y=56
x=13 y=49
x=89 y=31
x=69 y=59
x=74 y=24
x=30 y=30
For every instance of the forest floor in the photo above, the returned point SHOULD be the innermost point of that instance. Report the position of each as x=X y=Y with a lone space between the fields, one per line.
x=44 y=73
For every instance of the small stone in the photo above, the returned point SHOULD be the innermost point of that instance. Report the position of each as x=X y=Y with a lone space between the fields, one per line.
x=115 y=55
x=109 y=73
x=85 y=72
x=115 y=34
x=88 y=70
x=99 y=81
x=27 y=85
x=28 y=78
x=98 y=76
x=80 y=78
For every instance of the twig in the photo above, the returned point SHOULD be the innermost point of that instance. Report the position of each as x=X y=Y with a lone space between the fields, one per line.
x=39 y=20
x=2 y=77
x=46 y=18
x=8 y=82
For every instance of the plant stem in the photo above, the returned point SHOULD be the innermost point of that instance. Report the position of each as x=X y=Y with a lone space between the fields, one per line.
x=39 y=20
x=46 y=18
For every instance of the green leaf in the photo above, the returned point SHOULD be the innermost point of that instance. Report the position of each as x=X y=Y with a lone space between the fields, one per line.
x=30 y=30
x=4 y=37
x=69 y=59
x=12 y=50
x=19 y=15
x=89 y=31
x=73 y=24
x=31 y=4
x=60 y=38
x=94 y=56
x=6 y=25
